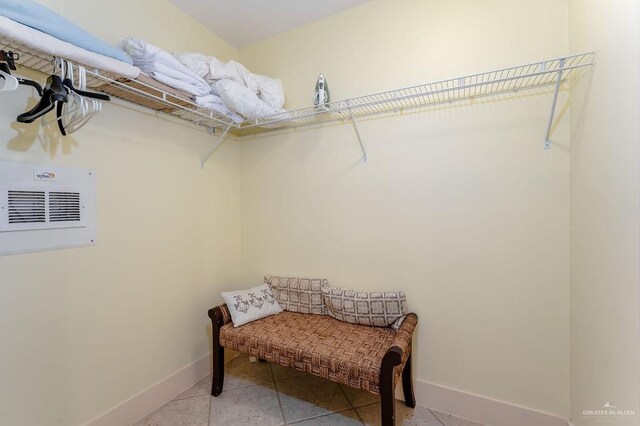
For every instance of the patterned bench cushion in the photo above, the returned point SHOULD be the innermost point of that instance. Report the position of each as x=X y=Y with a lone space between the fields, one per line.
x=298 y=294
x=378 y=309
x=323 y=346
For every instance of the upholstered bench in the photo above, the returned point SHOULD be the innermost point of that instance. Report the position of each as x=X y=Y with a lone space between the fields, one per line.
x=364 y=357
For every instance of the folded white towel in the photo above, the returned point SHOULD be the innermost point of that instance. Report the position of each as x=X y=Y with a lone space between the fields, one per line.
x=212 y=69
x=216 y=104
x=163 y=66
x=45 y=43
x=187 y=78
x=242 y=100
x=232 y=70
x=181 y=85
x=209 y=99
x=195 y=62
x=269 y=90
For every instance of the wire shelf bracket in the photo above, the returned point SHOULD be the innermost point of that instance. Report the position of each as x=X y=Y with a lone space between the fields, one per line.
x=554 y=103
x=216 y=145
x=355 y=127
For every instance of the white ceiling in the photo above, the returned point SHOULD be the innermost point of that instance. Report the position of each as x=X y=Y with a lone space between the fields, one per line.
x=243 y=22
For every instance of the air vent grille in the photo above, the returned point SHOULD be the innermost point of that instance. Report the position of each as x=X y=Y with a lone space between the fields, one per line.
x=64 y=207
x=43 y=207
x=23 y=208
x=26 y=207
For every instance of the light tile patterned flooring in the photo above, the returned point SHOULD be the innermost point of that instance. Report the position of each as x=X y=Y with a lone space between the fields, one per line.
x=268 y=395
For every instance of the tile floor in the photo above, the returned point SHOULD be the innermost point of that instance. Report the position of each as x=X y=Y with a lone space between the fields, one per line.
x=268 y=395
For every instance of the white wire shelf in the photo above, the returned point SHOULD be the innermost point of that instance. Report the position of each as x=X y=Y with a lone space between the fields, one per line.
x=143 y=91
x=507 y=80
x=147 y=93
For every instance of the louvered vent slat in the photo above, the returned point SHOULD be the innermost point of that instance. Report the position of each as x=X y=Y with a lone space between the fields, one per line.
x=26 y=207
x=64 y=207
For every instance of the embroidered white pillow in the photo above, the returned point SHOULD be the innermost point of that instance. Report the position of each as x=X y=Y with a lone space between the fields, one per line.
x=250 y=305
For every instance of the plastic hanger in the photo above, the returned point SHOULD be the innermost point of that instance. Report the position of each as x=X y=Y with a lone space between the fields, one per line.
x=6 y=68
x=54 y=91
x=67 y=69
x=10 y=58
x=68 y=111
x=81 y=105
x=84 y=93
x=8 y=83
x=90 y=106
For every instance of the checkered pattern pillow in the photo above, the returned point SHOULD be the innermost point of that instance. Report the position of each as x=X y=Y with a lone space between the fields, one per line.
x=379 y=309
x=298 y=294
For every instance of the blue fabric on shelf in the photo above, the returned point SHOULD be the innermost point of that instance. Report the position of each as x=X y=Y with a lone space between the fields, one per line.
x=41 y=18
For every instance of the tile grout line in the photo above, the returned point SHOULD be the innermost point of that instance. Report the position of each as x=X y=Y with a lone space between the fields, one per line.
x=436 y=417
x=321 y=415
x=362 y=406
x=275 y=385
x=353 y=407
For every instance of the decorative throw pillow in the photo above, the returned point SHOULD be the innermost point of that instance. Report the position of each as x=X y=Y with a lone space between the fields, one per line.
x=250 y=305
x=299 y=294
x=379 y=309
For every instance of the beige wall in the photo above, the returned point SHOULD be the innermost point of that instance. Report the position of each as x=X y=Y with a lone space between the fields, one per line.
x=605 y=209
x=85 y=329
x=460 y=207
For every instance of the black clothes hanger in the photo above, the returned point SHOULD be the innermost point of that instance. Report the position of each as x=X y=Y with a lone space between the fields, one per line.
x=59 y=119
x=67 y=70
x=69 y=84
x=54 y=91
x=10 y=58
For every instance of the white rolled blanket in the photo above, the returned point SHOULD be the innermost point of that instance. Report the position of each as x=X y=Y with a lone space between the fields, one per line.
x=212 y=69
x=242 y=100
x=216 y=104
x=270 y=90
x=162 y=66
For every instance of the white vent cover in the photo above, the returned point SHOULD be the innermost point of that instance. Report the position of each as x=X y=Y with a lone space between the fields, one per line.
x=36 y=207
x=45 y=208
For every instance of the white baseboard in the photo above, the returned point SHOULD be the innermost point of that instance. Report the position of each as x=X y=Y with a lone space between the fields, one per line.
x=461 y=404
x=479 y=408
x=156 y=395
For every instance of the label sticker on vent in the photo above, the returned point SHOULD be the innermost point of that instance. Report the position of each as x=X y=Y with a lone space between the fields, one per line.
x=44 y=175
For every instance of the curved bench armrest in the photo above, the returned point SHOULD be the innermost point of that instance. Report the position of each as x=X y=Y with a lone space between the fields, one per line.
x=397 y=362
x=400 y=350
x=405 y=333
x=220 y=315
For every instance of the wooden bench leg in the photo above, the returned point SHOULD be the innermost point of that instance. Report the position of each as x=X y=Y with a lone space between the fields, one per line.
x=218 y=370
x=407 y=384
x=218 y=352
x=392 y=358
